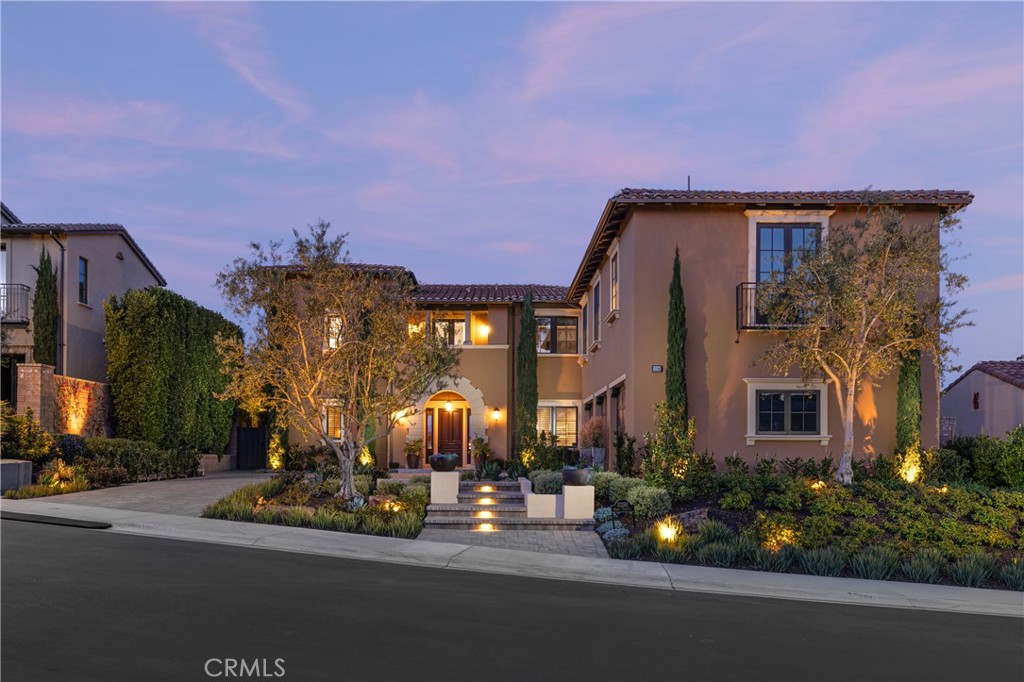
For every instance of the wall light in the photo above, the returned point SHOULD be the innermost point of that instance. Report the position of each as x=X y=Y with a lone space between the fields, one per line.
x=448 y=406
x=484 y=330
x=496 y=414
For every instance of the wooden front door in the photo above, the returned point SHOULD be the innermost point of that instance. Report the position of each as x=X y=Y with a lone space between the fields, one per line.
x=449 y=431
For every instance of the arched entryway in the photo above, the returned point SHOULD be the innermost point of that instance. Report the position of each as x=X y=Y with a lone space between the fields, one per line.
x=449 y=419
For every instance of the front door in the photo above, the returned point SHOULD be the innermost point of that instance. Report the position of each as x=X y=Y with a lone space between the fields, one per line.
x=449 y=431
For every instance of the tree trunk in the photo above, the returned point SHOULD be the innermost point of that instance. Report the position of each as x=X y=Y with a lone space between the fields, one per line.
x=346 y=462
x=845 y=473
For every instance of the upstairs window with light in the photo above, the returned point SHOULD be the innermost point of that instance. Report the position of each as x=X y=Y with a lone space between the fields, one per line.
x=557 y=335
x=452 y=330
x=332 y=331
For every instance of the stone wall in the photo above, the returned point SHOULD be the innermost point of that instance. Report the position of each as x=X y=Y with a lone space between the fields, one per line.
x=64 y=404
x=36 y=392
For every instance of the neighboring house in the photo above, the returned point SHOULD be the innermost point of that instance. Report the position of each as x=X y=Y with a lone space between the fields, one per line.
x=93 y=262
x=986 y=399
x=728 y=241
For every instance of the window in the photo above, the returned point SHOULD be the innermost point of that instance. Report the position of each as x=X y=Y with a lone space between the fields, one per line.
x=332 y=331
x=560 y=421
x=786 y=409
x=614 y=302
x=3 y=263
x=451 y=330
x=781 y=412
x=619 y=400
x=597 y=312
x=557 y=335
x=83 y=281
x=781 y=247
x=333 y=419
x=586 y=329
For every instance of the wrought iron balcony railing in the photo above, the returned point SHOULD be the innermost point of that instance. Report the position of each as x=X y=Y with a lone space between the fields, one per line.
x=14 y=304
x=749 y=317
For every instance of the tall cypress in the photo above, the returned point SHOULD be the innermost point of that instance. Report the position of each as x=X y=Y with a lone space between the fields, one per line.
x=44 y=312
x=675 y=361
x=526 y=375
x=908 y=402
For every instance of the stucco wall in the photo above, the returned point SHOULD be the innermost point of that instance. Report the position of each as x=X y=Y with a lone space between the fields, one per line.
x=1000 y=405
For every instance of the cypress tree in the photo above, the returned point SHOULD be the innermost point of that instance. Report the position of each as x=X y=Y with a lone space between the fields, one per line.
x=526 y=375
x=908 y=402
x=44 y=312
x=675 y=361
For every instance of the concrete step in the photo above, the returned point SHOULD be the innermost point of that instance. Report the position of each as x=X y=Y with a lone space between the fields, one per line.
x=499 y=523
x=490 y=486
x=498 y=497
x=474 y=510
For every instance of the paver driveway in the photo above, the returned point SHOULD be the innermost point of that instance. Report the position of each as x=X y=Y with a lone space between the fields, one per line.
x=180 y=496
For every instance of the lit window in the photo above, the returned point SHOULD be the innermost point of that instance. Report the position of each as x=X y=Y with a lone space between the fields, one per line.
x=332 y=331
x=451 y=330
x=333 y=419
x=615 y=282
x=83 y=280
x=556 y=335
x=560 y=421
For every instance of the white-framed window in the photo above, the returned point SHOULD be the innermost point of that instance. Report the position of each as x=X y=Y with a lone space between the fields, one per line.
x=560 y=420
x=784 y=409
x=613 y=289
x=332 y=331
x=759 y=234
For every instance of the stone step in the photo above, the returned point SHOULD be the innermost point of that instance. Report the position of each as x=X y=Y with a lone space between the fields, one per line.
x=500 y=523
x=493 y=485
x=473 y=497
x=473 y=510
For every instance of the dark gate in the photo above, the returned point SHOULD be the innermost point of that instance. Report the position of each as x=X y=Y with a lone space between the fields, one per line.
x=252 y=448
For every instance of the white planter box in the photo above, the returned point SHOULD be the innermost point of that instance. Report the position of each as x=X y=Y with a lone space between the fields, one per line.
x=579 y=501
x=543 y=506
x=444 y=487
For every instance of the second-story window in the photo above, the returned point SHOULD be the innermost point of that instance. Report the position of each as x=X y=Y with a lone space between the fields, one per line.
x=782 y=246
x=83 y=280
x=597 y=312
x=586 y=329
x=615 y=283
x=332 y=331
x=451 y=330
x=557 y=335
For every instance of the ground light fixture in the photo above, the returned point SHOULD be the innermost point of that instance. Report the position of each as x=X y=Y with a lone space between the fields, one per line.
x=486 y=528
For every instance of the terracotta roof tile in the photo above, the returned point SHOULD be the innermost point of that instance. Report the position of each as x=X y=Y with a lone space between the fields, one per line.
x=488 y=293
x=1010 y=371
x=899 y=196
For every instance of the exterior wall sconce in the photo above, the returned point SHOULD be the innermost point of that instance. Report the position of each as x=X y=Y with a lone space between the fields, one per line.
x=448 y=406
x=496 y=414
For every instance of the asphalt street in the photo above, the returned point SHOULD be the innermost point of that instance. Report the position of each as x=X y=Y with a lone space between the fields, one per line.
x=83 y=604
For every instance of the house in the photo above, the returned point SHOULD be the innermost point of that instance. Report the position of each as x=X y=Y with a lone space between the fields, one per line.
x=728 y=242
x=93 y=262
x=986 y=399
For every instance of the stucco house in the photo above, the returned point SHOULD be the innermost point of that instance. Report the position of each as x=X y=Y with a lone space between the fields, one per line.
x=93 y=261
x=986 y=399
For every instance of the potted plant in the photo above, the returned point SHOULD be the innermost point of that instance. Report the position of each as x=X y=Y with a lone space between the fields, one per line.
x=593 y=436
x=444 y=461
x=481 y=451
x=413 y=448
x=575 y=471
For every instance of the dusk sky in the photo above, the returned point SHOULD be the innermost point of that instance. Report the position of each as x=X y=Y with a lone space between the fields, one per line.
x=479 y=142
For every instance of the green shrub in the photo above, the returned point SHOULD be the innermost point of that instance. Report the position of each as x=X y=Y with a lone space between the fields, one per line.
x=712 y=531
x=296 y=516
x=826 y=561
x=672 y=554
x=736 y=499
x=649 y=502
x=602 y=481
x=765 y=559
x=45 y=490
x=972 y=570
x=625 y=453
x=390 y=487
x=372 y=522
x=874 y=563
x=925 y=566
x=404 y=525
x=830 y=501
x=745 y=548
x=858 y=534
x=632 y=548
x=995 y=517
x=21 y=437
x=548 y=483
x=722 y=554
x=618 y=489
x=141 y=459
x=818 y=531
x=1009 y=465
x=266 y=515
x=415 y=496
x=787 y=499
x=363 y=484
x=1012 y=574
x=345 y=522
x=944 y=465
x=71 y=447
x=100 y=476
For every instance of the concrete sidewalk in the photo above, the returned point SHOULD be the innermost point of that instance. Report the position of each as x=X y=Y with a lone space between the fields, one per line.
x=551 y=566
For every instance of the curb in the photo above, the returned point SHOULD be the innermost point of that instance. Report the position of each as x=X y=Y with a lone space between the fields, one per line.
x=674 y=577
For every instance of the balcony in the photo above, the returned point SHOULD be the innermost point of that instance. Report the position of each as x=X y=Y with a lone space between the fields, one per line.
x=14 y=304
x=749 y=317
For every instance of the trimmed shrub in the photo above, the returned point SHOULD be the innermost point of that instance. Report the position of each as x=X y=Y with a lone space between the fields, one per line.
x=736 y=499
x=1010 y=464
x=100 y=476
x=548 y=483
x=415 y=496
x=619 y=488
x=972 y=570
x=874 y=563
x=390 y=487
x=649 y=502
x=602 y=481
x=71 y=447
x=925 y=566
x=826 y=561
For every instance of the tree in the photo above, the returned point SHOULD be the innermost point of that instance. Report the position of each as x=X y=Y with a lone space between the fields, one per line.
x=332 y=335
x=908 y=402
x=852 y=310
x=45 y=320
x=675 y=362
x=526 y=376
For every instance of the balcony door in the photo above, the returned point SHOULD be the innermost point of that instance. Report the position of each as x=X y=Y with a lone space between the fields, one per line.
x=781 y=247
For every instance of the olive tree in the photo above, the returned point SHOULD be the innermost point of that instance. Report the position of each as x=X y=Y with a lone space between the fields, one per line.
x=329 y=334
x=868 y=297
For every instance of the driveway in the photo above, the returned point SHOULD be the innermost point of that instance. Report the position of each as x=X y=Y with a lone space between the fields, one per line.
x=180 y=496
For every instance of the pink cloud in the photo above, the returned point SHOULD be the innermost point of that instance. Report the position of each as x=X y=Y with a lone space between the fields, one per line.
x=91 y=167
x=231 y=27
x=46 y=115
x=1014 y=282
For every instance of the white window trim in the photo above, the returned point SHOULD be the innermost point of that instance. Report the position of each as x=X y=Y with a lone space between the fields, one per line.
x=578 y=404
x=778 y=216
x=616 y=284
x=786 y=384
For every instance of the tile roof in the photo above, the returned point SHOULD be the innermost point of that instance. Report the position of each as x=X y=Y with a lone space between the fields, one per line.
x=896 y=196
x=1010 y=371
x=84 y=229
x=619 y=206
x=488 y=293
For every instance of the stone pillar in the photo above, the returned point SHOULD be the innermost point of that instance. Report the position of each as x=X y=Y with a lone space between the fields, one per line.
x=36 y=390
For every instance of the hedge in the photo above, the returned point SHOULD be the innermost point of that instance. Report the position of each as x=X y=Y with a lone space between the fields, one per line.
x=164 y=369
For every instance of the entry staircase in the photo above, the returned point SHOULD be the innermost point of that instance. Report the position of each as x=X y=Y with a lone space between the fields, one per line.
x=489 y=506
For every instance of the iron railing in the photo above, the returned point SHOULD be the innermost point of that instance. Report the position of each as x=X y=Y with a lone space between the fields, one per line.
x=749 y=317
x=14 y=304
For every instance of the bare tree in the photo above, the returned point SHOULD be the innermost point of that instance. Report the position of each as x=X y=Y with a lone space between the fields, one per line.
x=868 y=296
x=330 y=335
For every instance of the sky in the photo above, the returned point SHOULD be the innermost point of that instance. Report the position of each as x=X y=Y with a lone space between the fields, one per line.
x=479 y=142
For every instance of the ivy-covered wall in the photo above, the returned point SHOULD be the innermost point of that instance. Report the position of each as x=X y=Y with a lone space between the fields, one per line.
x=163 y=369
